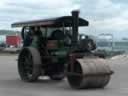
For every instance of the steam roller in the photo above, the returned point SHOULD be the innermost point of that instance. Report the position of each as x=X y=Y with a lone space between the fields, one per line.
x=54 y=47
x=88 y=72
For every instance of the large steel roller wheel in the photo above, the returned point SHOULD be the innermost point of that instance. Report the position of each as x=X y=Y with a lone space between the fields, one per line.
x=29 y=62
x=88 y=73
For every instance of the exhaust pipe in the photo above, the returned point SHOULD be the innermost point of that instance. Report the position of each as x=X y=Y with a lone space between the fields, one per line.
x=75 y=25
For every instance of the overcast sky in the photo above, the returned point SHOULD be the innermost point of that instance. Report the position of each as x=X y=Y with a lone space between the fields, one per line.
x=105 y=16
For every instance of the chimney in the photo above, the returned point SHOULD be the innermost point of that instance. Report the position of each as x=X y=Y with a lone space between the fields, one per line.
x=75 y=25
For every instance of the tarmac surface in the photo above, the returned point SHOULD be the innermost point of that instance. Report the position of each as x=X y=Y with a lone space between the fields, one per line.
x=11 y=85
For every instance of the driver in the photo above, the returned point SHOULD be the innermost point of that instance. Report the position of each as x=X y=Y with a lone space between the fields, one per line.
x=36 y=37
x=28 y=37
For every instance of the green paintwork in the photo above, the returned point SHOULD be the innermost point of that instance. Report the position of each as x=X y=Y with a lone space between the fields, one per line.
x=34 y=42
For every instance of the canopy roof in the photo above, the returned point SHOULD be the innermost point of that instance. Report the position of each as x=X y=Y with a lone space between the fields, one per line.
x=52 y=22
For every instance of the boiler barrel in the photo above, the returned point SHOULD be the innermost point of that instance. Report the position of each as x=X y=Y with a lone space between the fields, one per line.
x=89 y=73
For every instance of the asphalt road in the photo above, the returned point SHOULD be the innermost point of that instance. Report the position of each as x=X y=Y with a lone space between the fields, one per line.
x=11 y=85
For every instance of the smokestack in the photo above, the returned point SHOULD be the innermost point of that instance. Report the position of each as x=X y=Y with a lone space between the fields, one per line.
x=75 y=25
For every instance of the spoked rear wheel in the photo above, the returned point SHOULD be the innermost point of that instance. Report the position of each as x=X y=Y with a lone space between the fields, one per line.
x=29 y=63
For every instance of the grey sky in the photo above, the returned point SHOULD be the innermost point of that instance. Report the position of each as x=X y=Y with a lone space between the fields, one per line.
x=104 y=15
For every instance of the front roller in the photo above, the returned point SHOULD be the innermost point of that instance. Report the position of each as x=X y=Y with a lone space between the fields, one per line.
x=88 y=73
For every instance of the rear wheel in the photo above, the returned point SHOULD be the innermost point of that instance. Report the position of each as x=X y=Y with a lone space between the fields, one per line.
x=29 y=63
